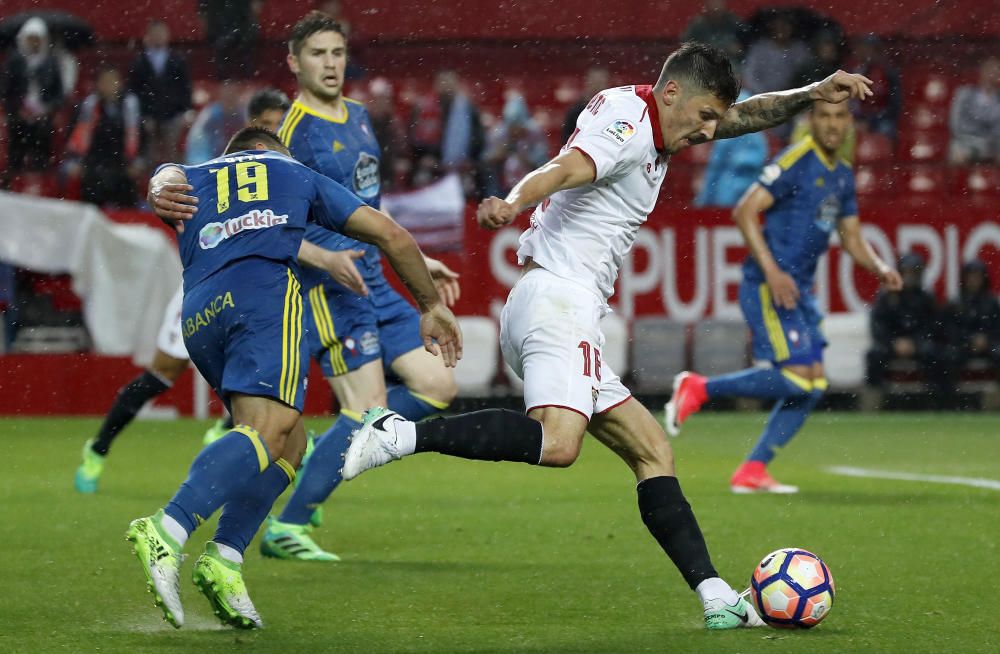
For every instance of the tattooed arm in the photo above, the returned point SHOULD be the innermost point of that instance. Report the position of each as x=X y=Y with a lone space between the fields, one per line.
x=767 y=110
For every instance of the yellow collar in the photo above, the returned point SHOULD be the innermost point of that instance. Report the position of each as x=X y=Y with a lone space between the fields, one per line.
x=319 y=114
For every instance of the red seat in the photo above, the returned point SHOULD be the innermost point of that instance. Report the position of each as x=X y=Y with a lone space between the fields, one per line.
x=876 y=181
x=924 y=117
x=920 y=179
x=923 y=146
x=39 y=184
x=872 y=147
x=980 y=180
x=934 y=87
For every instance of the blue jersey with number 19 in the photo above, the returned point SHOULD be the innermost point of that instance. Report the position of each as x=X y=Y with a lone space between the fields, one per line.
x=256 y=204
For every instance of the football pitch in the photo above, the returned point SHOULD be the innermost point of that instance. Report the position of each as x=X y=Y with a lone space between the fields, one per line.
x=442 y=555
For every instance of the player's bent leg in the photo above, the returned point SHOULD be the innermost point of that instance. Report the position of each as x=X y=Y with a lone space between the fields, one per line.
x=786 y=419
x=632 y=432
x=563 y=430
x=130 y=399
x=428 y=385
x=489 y=435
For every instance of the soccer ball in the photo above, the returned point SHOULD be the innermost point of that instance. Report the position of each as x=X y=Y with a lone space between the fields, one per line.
x=792 y=588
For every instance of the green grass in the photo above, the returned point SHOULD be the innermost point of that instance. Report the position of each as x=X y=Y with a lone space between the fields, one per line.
x=443 y=555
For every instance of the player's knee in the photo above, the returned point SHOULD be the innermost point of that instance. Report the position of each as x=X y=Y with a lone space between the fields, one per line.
x=168 y=368
x=559 y=449
x=651 y=452
x=439 y=386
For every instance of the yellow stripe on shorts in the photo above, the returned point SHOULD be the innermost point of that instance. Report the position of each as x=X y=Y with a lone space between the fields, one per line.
x=772 y=323
x=328 y=333
x=291 y=335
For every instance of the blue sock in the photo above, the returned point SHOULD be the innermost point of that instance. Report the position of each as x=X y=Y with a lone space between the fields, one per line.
x=763 y=383
x=413 y=406
x=242 y=516
x=321 y=476
x=785 y=421
x=217 y=474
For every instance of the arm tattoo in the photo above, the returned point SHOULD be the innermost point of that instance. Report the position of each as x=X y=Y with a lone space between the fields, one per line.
x=762 y=111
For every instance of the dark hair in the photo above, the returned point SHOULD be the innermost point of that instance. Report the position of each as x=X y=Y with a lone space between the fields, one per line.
x=266 y=100
x=706 y=66
x=312 y=23
x=248 y=137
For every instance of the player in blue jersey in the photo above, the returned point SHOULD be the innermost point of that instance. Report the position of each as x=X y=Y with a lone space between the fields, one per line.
x=805 y=194
x=242 y=323
x=356 y=338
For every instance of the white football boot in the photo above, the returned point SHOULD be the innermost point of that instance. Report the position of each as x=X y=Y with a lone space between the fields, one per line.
x=374 y=444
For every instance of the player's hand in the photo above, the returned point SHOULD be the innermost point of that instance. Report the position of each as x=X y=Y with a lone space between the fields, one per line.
x=445 y=280
x=442 y=335
x=340 y=265
x=890 y=279
x=842 y=86
x=494 y=213
x=170 y=201
x=784 y=290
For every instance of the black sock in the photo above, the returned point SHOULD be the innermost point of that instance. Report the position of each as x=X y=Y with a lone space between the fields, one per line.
x=227 y=422
x=669 y=518
x=489 y=435
x=128 y=403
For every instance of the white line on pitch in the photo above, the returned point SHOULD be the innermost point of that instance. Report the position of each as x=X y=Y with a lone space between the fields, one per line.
x=975 y=482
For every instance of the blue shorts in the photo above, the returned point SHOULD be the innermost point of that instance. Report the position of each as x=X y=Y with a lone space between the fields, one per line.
x=242 y=327
x=346 y=330
x=782 y=336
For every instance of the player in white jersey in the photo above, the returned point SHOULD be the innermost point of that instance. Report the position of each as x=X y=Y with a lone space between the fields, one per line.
x=594 y=196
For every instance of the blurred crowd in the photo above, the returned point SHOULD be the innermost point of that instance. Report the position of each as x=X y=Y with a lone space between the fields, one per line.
x=128 y=120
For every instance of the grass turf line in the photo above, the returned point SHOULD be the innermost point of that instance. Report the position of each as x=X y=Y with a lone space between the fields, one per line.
x=442 y=555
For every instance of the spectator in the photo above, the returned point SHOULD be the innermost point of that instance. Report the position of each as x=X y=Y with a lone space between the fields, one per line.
x=105 y=142
x=732 y=167
x=69 y=67
x=903 y=325
x=389 y=133
x=826 y=59
x=975 y=118
x=717 y=26
x=215 y=124
x=32 y=92
x=517 y=145
x=232 y=27
x=446 y=134
x=772 y=61
x=597 y=80
x=160 y=79
x=879 y=113
x=972 y=322
x=267 y=108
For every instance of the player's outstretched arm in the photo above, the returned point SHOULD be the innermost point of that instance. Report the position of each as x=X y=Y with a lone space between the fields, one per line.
x=167 y=195
x=746 y=214
x=852 y=240
x=767 y=110
x=570 y=169
x=438 y=326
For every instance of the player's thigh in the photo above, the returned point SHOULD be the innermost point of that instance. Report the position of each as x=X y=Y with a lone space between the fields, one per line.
x=170 y=339
x=398 y=324
x=779 y=335
x=632 y=433
x=342 y=328
x=168 y=367
x=360 y=389
x=425 y=374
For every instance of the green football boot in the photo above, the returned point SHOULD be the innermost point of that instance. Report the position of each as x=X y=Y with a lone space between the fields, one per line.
x=214 y=433
x=89 y=472
x=221 y=581
x=282 y=540
x=161 y=562
x=719 y=615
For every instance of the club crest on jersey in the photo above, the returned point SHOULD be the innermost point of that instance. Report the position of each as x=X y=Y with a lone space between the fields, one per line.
x=366 y=178
x=214 y=233
x=619 y=131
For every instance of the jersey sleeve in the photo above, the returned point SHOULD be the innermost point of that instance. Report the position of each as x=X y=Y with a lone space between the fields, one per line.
x=611 y=139
x=778 y=180
x=332 y=204
x=849 y=200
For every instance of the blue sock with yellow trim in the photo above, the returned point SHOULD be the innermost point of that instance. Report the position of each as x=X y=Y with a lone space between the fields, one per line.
x=763 y=383
x=321 y=476
x=217 y=474
x=786 y=419
x=413 y=406
x=243 y=515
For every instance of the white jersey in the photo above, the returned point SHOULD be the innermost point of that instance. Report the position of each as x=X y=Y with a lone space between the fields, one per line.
x=583 y=234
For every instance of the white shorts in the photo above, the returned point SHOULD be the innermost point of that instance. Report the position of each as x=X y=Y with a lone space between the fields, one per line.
x=170 y=340
x=550 y=335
